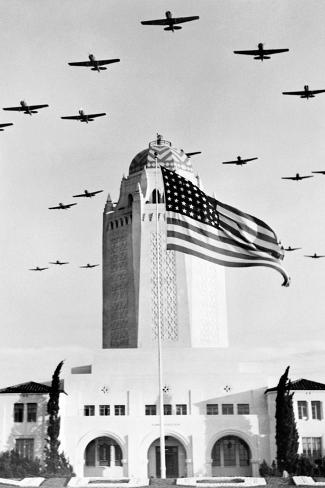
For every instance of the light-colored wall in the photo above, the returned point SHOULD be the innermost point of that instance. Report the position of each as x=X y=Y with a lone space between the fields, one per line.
x=10 y=431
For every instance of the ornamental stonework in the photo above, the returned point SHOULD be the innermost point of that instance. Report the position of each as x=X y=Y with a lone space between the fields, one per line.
x=168 y=292
x=119 y=287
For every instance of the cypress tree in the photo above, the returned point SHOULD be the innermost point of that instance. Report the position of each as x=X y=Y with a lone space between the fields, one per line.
x=286 y=434
x=55 y=462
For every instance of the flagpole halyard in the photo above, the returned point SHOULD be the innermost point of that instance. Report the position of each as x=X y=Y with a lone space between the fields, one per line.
x=160 y=363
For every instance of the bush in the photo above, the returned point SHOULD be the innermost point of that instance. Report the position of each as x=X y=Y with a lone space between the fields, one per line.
x=14 y=466
x=62 y=468
x=265 y=469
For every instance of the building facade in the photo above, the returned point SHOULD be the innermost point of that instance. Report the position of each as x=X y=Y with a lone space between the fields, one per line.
x=218 y=422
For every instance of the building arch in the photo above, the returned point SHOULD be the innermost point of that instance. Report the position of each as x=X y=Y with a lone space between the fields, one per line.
x=176 y=455
x=230 y=454
x=114 y=459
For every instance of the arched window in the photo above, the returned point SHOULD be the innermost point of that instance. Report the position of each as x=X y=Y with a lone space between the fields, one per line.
x=230 y=451
x=155 y=196
x=130 y=200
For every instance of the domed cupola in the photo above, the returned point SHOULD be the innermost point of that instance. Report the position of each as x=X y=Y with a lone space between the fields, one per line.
x=167 y=155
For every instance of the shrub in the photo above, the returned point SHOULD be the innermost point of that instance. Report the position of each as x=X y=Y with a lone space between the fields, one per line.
x=14 y=466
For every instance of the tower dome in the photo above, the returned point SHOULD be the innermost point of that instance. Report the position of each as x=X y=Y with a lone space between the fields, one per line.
x=167 y=155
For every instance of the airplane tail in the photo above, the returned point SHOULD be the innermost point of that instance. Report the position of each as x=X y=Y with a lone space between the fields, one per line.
x=172 y=28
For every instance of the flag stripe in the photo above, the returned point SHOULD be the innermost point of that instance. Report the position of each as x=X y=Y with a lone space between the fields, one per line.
x=230 y=264
x=248 y=217
x=230 y=250
x=211 y=232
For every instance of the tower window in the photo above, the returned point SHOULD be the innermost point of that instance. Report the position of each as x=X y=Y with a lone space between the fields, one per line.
x=18 y=412
x=116 y=224
x=151 y=410
x=227 y=409
x=155 y=196
x=181 y=409
x=31 y=412
x=130 y=200
x=89 y=410
x=212 y=409
x=119 y=409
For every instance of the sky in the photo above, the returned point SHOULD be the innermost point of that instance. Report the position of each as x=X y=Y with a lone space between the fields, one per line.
x=190 y=87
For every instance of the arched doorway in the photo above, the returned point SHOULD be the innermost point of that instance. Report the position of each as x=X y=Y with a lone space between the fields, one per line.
x=231 y=457
x=175 y=458
x=103 y=457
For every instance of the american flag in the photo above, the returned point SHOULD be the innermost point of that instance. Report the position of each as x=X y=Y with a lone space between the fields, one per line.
x=199 y=225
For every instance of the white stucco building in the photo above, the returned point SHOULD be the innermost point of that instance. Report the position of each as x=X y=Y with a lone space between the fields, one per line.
x=110 y=415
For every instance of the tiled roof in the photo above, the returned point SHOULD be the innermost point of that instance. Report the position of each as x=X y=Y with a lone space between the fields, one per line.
x=302 y=384
x=29 y=387
x=167 y=156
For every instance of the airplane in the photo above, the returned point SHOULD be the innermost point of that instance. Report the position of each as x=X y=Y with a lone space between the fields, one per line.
x=27 y=109
x=89 y=266
x=58 y=262
x=319 y=172
x=296 y=178
x=314 y=256
x=262 y=53
x=88 y=194
x=239 y=161
x=37 y=269
x=94 y=64
x=4 y=125
x=62 y=206
x=170 y=21
x=305 y=93
x=289 y=248
x=190 y=154
x=83 y=117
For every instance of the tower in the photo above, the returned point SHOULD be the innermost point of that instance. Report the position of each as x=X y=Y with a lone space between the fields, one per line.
x=192 y=292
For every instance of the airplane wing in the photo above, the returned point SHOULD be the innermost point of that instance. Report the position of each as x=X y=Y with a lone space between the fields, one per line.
x=229 y=162
x=249 y=159
x=17 y=109
x=319 y=172
x=155 y=22
x=81 y=195
x=303 y=177
x=72 y=117
x=5 y=125
x=54 y=208
x=93 y=116
x=36 y=107
x=189 y=154
x=253 y=52
x=70 y=205
x=181 y=20
x=288 y=178
x=81 y=63
x=274 y=51
x=95 y=192
x=292 y=248
x=302 y=92
x=107 y=61
x=317 y=91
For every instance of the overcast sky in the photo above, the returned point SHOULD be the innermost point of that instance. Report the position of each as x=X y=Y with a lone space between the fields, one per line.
x=190 y=87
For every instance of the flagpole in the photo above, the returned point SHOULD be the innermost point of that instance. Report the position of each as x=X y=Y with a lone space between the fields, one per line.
x=160 y=365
